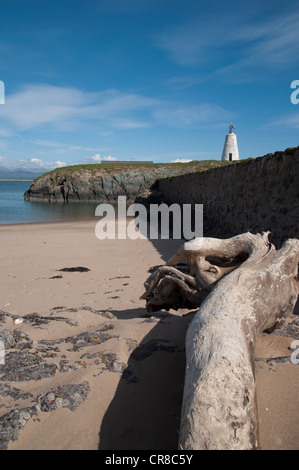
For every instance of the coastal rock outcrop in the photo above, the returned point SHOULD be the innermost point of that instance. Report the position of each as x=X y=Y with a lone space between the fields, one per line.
x=100 y=183
x=254 y=195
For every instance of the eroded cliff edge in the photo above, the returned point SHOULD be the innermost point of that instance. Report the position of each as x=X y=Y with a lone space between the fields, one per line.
x=100 y=183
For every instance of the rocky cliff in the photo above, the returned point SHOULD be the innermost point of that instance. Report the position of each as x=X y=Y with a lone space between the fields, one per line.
x=255 y=195
x=100 y=183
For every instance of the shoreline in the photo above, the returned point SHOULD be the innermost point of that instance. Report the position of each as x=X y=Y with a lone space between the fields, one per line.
x=54 y=222
x=94 y=219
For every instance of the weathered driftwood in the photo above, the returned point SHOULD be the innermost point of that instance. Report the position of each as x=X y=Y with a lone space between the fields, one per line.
x=248 y=287
x=207 y=260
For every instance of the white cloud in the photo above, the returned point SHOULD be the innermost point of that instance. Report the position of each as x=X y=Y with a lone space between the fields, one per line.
x=35 y=163
x=62 y=108
x=35 y=160
x=44 y=108
x=109 y=158
x=97 y=158
x=93 y=159
x=36 y=105
x=181 y=160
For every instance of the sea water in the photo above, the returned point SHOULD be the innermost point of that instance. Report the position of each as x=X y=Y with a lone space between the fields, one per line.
x=15 y=210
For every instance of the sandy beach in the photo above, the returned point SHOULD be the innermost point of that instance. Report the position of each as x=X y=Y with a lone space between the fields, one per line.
x=87 y=367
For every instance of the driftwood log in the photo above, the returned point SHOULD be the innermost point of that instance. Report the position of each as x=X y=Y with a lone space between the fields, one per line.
x=244 y=286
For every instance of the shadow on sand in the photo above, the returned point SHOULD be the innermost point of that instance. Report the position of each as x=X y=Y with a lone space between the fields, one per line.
x=145 y=411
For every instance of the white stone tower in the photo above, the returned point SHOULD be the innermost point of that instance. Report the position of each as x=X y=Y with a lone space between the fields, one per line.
x=230 y=149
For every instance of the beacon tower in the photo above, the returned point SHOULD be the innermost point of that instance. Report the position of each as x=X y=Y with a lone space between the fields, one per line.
x=230 y=149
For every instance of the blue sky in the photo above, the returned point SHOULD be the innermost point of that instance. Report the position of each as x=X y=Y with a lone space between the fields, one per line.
x=145 y=79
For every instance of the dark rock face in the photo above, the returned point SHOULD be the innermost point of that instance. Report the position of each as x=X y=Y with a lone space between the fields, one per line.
x=255 y=195
x=23 y=366
x=99 y=185
x=66 y=396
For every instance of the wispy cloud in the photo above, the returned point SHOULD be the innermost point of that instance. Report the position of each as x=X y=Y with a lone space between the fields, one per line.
x=205 y=115
x=6 y=133
x=53 y=123
x=186 y=44
x=47 y=143
x=61 y=108
x=39 y=164
x=274 y=41
x=36 y=105
x=290 y=121
x=58 y=146
x=47 y=108
x=244 y=42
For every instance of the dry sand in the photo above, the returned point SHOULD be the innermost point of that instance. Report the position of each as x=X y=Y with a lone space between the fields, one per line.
x=91 y=369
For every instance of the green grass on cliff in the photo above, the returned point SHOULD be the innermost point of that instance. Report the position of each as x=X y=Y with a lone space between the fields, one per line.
x=195 y=165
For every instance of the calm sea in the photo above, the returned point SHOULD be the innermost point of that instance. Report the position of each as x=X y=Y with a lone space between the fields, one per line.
x=14 y=210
